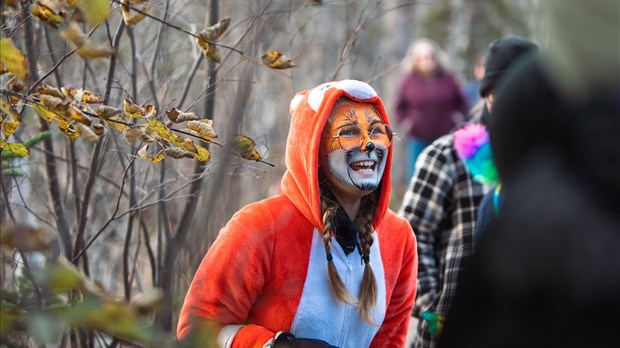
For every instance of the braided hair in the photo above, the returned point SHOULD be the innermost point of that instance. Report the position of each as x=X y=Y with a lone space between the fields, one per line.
x=363 y=223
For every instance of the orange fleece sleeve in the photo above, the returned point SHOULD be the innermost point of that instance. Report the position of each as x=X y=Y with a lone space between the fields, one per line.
x=231 y=277
x=393 y=331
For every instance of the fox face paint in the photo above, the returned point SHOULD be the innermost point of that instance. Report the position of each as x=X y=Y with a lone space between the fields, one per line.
x=354 y=147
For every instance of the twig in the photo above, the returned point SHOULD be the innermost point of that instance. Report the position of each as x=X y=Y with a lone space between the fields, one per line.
x=160 y=34
x=118 y=202
x=146 y=14
x=34 y=85
x=52 y=56
x=190 y=78
x=90 y=182
x=112 y=68
x=149 y=250
x=5 y=195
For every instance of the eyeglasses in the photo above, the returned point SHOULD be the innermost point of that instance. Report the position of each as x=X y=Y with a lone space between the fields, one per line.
x=352 y=137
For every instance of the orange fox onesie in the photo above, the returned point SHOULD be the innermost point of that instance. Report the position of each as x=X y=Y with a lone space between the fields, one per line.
x=267 y=270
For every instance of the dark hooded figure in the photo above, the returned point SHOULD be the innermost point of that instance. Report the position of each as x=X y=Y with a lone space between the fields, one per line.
x=548 y=272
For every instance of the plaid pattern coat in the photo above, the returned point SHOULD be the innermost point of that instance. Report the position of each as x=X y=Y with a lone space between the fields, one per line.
x=440 y=204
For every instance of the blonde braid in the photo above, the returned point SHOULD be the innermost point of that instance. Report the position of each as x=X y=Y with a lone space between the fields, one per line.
x=368 y=291
x=328 y=207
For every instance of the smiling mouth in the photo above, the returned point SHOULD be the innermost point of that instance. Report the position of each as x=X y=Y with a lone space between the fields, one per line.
x=363 y=167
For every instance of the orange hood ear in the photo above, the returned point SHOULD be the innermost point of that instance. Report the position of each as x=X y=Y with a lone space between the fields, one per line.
x=310 y=110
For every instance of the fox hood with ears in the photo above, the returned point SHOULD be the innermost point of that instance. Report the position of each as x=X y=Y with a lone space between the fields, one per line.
x=310 y=110
x=267 y=270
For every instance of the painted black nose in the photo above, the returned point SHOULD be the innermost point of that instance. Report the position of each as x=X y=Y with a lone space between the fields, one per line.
x=370 y=146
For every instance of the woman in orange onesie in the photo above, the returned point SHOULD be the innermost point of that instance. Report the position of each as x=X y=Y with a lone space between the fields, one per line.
x=324 y=263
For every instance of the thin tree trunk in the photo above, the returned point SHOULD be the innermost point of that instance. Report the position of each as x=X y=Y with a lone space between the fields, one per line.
x=50 y=162
x=164 y=318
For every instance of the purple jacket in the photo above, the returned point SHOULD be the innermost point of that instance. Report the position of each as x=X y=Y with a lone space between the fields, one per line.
x=429 y=105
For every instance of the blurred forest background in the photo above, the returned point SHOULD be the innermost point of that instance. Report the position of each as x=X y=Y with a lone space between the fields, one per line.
x=126 y=226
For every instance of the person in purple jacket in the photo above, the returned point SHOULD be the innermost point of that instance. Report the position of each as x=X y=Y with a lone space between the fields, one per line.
x=430 y=101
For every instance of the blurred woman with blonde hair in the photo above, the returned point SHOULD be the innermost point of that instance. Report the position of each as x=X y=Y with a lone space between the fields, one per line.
x=430 y=101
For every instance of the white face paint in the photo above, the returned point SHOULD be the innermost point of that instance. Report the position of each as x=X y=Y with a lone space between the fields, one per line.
x=360 y=169
x=356 y=172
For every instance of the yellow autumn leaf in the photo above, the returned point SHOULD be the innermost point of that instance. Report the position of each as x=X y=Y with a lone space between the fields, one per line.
x=79 y=116
x=94 y=51
x=86 y=132
x=94 y=11
x=73 y=34
x=209 y=34
x=156 y=127
x=9 y=111
x=91 y=98
x=49 y=90
x=137 y=132
x=177 y=116
x=48 y=15
x=132 y=18
x=68 y=128
x=209 y=50
x=203 y=129
x=148 y=155
x=8 y=127
x=86 y=49
x=244 y=147
x=24 y=238
x=185 y=144
x=105 y=111
x=16 y=87
x=118 y=123
x=214 y=32
x=137 y=110
x=132 y=110
x=276 y=60
x=13 y=60
x=81 y=95
x=176 y=152
x=43 y=112
x=202 y=154
x=18 y=149
x=59 y=106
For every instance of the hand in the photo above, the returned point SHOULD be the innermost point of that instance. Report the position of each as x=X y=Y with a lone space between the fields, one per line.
x=288 y=340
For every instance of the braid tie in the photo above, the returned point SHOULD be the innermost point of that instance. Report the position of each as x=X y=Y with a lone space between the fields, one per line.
x=329 y=257
x=366 y=259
